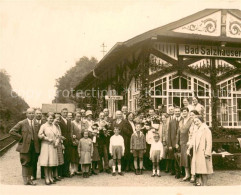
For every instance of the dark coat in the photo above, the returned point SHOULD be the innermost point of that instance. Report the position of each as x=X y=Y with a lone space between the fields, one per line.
x=22 y=132
x=126 y=133
x=172 y=133
x=66 y=131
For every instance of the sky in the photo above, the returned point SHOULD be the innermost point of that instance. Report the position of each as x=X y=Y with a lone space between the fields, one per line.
x=40 y=40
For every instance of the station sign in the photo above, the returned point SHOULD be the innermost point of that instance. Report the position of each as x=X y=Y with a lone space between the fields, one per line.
x=116 y=97
x=209 y=51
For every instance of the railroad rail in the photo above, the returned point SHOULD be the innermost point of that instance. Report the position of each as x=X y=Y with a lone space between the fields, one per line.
x=6 y=143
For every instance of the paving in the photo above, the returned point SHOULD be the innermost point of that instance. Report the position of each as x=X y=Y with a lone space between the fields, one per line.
x=10 y=174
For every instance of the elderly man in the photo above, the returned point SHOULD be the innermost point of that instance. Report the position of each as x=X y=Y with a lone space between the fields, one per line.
x=65 y=126
x=26 y=132
x=107 y=115
x=38 y=119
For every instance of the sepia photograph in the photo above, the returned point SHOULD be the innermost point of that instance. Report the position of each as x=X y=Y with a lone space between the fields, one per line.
x=120 y=96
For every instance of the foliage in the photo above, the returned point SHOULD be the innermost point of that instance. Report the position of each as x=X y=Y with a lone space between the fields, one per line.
x=145 y=101
x=12 y=106
x=227 y=133
x=72 y=78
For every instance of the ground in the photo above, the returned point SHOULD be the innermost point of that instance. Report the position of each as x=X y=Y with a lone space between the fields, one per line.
x=10 y=173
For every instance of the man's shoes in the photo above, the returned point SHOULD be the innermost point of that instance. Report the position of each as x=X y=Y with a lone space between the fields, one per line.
x=153 y=175
x=140 y=172
x=31 y=183
x=108 y=171
x=172 y=173
x=113 y=174
x=136 y=172
x=177 y=176
x=120 y=173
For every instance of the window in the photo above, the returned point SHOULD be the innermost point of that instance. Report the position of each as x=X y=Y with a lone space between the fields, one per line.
x=229 y=107
x=171 y=89
x=133 y=94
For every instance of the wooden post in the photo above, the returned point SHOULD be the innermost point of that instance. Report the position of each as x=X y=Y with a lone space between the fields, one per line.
x=214 y=94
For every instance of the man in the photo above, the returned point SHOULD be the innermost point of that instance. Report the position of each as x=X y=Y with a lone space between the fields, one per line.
x=153 y=118
x=70 y=116
x=65 y=126
x=83 y=116
x=172 y=134
x=26 y=132
x=38 y=119
x=160 y=109
x=124 y=110
x=104 y=140
x=171 y=112
x=107 y=115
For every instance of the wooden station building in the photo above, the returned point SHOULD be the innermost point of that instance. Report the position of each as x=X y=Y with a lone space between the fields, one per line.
x=197 y=55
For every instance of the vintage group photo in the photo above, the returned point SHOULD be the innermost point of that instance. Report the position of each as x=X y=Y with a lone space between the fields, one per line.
x=120 y=93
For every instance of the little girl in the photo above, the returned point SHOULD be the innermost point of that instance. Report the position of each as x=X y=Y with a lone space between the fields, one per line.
x=85 y=150
x=156 y=153
x=117 y=149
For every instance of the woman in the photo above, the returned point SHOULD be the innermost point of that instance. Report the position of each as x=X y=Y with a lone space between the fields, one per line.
x=198 y=107
x=76 y=135
x=182 y=139
x=163 y=132
x=48 y=155
x=202 y=151
x=186 y=104
x=60 y=149
x=127 y=130
x=192 y=131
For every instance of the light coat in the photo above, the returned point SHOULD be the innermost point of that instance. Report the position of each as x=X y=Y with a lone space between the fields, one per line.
x=202 y=145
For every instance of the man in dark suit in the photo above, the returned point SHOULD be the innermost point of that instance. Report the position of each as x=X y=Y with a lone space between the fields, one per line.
x=65 y=126
x=128 y=128
x=38 y=119
x=26 y=132
x=172 y=134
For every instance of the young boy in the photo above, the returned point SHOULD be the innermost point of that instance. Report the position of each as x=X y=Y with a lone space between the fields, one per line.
x=138 y=148
x=117 y=149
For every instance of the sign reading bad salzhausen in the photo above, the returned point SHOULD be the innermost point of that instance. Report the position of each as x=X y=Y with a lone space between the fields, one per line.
x=209 y=51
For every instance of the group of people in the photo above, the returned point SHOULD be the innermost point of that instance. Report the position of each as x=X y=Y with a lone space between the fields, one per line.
x=67 y=144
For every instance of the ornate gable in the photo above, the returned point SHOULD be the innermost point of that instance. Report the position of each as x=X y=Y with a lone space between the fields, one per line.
x=209 y=25
x=233 y=26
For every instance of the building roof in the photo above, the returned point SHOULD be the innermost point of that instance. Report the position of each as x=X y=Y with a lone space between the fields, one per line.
x=166 y=32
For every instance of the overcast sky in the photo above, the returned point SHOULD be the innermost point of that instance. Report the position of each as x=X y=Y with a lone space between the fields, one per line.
x=41 y=40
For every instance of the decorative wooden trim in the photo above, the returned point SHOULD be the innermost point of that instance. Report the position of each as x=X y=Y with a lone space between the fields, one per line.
x=163 y=56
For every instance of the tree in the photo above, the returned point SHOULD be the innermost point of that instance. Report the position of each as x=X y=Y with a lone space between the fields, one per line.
x=12 y=106
x=72 y=78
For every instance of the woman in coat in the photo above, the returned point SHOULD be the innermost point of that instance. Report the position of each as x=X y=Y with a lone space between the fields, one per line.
x=202 y=151
x=182 y=140
x=76 y=135
x=48 y=158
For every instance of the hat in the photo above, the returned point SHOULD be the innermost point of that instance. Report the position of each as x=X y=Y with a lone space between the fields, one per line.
x=95 y=124
x=88 y=112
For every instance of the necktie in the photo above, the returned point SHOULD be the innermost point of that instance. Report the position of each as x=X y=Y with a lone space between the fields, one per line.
x=32 y=132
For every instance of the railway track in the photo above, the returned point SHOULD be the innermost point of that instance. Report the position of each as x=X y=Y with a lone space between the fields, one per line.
x=6 y=143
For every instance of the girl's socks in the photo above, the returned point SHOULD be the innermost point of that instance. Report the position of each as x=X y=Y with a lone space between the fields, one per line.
x=119 y=168
x=113 y=168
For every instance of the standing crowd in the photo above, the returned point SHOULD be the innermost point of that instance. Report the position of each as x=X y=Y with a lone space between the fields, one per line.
x=67 y=144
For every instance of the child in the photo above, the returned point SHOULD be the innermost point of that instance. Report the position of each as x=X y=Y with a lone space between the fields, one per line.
x=149 y=131
x=117 y=149
x=138 y=148
x=85 y=150
x=96 y=156
x=156 y=153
